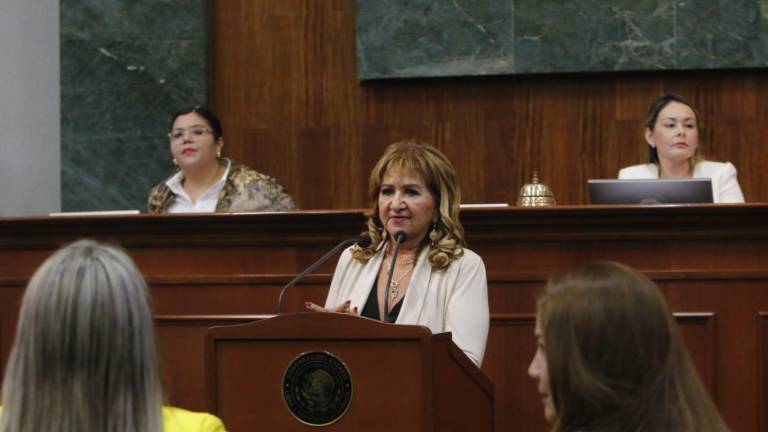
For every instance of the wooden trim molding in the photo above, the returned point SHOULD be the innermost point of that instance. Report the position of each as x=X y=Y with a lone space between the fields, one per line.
x=322 y=227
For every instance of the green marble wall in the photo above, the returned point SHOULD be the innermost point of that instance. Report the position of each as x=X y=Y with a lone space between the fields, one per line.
x=429 y=38
x=126 y=67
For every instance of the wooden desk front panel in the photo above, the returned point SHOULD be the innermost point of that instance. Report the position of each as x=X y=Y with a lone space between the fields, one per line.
x=709 y=261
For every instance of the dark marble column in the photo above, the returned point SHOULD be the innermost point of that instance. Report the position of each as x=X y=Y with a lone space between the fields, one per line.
x=126 y=67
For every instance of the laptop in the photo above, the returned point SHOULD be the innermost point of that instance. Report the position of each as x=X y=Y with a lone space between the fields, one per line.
x=650 y=191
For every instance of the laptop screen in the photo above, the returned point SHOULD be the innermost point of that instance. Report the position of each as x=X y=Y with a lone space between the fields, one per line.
x=650 y=191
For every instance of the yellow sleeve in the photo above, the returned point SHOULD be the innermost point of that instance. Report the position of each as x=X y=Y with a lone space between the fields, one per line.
x=181 y=420
x=211 y=423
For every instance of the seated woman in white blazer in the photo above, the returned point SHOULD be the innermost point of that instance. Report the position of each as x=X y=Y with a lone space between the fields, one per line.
x=437 y=282
x=672 y=132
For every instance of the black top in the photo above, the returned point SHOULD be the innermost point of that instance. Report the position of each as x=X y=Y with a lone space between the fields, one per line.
x=371 y=308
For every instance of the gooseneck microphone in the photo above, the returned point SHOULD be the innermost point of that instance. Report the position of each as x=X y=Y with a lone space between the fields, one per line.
x=362 y=241
x=400 y=237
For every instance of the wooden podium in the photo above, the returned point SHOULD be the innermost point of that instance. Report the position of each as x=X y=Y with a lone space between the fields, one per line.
x=400 y=377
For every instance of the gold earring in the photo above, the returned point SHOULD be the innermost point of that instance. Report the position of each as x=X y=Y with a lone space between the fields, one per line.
x=175 y=162
x=434 y=235
x=218 y=154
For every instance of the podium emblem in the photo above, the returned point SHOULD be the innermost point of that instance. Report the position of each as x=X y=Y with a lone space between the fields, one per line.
x=317 y=388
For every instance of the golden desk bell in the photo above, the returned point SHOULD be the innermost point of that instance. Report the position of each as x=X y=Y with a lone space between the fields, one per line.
x=535 y=194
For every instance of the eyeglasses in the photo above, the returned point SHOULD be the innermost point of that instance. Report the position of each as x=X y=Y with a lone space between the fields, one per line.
x=196 y=131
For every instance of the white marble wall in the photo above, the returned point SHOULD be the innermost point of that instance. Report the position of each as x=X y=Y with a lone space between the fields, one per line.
x=30 y=155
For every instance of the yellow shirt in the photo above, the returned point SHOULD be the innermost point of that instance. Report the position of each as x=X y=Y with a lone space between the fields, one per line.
x=181 y=420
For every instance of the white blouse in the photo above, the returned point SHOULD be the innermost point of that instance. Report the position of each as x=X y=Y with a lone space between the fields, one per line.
x=451 y=300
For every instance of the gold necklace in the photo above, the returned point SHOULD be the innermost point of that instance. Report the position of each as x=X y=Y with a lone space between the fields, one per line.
x=394 y=286
x=388 y=262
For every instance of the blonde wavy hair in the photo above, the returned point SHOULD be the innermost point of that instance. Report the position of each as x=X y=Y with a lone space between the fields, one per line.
x=440 y=177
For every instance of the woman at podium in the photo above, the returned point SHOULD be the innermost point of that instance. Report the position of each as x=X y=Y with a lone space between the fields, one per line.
x=672 y=131
x=84 y=358
x=610 y=356
x=206 y=181
x=436 y=282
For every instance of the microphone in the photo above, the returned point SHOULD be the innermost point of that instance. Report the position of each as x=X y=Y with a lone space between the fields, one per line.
x=400 y=237
x=362 y=241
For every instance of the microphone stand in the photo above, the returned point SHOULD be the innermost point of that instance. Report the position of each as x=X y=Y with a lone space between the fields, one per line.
x=363 y=241
x=400 y=237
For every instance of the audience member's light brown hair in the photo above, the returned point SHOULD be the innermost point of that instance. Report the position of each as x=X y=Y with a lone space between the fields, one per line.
x=615 y=357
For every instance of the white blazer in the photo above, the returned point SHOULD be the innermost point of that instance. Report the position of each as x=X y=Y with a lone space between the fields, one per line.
x=451 y=300
x=725 y=185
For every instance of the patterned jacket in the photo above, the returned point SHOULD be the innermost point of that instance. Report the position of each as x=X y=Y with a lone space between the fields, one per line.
x=245 y=190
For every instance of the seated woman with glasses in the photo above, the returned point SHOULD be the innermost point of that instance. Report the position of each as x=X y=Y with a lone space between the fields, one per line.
x=207 y=182
x=84 y=358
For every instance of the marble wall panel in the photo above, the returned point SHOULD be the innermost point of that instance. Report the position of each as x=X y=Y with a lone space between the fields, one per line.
x=126 y=67
x=405 y=38
x=429 y=38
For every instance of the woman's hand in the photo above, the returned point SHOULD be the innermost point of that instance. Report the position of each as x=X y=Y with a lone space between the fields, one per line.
x=342 y=308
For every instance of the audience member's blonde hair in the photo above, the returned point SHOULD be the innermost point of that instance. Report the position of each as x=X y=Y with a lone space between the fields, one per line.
x=84 y=359
x=440 y=177
x=615 y=357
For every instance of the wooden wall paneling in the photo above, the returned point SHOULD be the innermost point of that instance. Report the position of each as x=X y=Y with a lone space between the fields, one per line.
x=762 y=370
x=211 y=295
x=514 y=292
x=230 y=261
x=181 y=343
x=11 y=291
x=6 y=339
x=699 y=332
x=511 y=347
x=20 y=265
x=757 y=182
x=507 y=134
x=350 y=173
x=736 y=358
x=4 y=346
x=278 y=65
x=315 y=159
x=513 y=170
x=243 y=295
x=226 y=20
x=737 y=355
x=632 y=99
x=739 y=149
x=273 y=152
